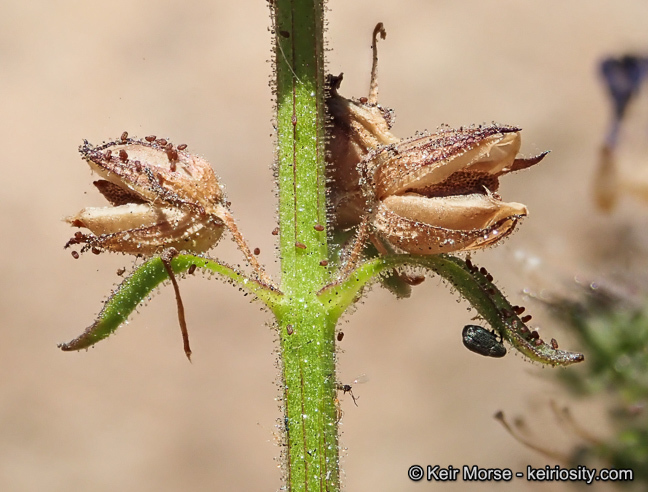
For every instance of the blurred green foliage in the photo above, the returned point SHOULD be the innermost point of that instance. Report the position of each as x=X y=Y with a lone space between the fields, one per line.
x=613 y=333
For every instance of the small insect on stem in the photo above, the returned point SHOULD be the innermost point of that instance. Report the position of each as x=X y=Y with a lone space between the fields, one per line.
x=346 y=388
x=166 y=257
x=481 y=341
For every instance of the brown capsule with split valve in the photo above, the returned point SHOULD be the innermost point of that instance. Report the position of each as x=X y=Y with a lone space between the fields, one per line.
x=156 y=202
x=437 y=193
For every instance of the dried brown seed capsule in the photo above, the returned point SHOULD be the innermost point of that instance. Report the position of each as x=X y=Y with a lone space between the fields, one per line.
x=518 y=309
x=75 y=255
x=318 y=227
x=363 y=100
x=275 y=231
x=96 y=251
x=527 y=318
x=182 y=146
x=324 y=263
x=192 y=269
x=434 y=193
x=300 y=245
x=124 y=136
x=289 y=329
x=257 y=251
x=524 y=330
x=489 y=277
x=162 y=142
x=469 y=264
x=152 y=208
x=554 y=344
x=535 y=335
x=108 y=154
x=538 y=342
x=121 y=271
x=340 y=336
x=483 y=271
x=150 y=138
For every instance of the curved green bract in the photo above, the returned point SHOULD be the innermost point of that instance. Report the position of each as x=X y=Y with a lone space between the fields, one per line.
x=473 y=284
x=137 y=286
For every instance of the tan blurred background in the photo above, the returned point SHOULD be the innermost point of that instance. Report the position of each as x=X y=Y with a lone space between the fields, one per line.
x=132 y=414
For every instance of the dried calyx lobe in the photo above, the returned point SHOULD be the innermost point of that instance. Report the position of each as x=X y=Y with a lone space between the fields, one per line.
x=161 y=197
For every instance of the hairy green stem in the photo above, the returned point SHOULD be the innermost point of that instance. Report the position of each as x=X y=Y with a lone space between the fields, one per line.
x=307 y=330
x=138 y=285
x=474 y=284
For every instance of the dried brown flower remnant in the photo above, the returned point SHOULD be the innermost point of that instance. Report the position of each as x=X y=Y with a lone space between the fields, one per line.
x=437 y=193
x=162 y=201
x=357 y=127
x=158 y=200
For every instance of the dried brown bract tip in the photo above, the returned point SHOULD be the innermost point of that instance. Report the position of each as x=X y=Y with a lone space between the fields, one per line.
x=159 y=198
x=436 y=193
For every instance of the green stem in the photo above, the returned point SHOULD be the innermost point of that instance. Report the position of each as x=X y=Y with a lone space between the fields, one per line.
x=307 y=330
x=474 y=284
x=138 y=285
